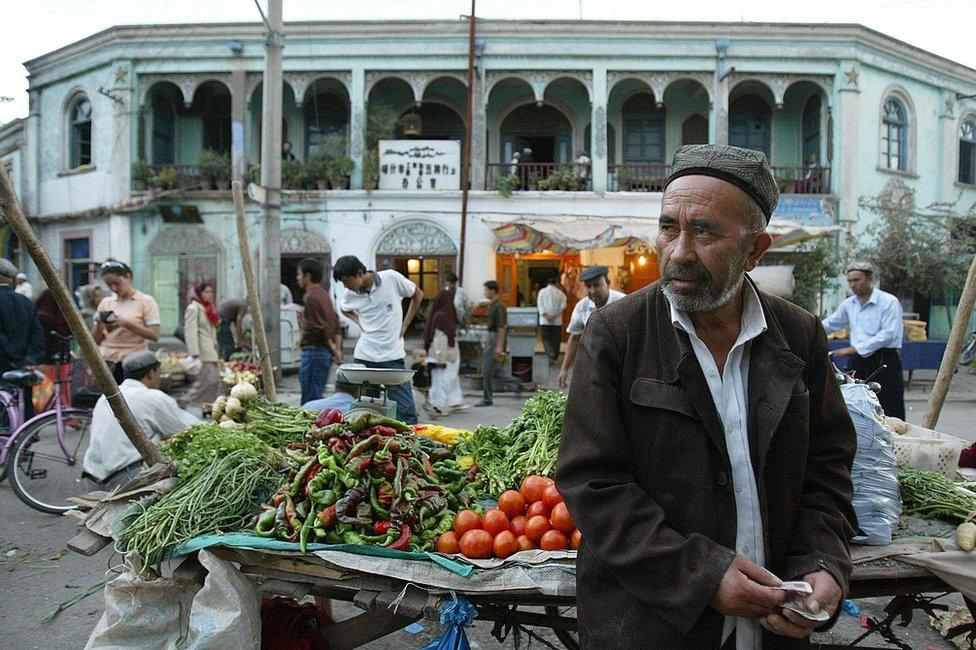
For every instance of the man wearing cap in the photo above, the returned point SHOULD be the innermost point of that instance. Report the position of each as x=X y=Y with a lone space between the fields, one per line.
x=596 y=279
x=111 y=459
x=706 y=450
x=23 y=287
x=874 y=318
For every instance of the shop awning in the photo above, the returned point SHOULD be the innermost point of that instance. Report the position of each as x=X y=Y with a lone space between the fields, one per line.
x=574 y=234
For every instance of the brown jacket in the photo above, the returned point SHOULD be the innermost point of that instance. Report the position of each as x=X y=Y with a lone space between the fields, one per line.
x=645 y=472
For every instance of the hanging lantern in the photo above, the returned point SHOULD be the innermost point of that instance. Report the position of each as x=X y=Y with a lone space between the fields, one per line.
x=412 y=124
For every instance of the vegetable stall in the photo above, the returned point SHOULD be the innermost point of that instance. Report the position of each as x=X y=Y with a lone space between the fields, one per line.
x=402 y=521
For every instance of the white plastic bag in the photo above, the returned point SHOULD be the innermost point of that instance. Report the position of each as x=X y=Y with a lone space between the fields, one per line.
x=139 y=613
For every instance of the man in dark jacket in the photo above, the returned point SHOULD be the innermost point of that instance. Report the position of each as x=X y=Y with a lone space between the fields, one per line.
x=21 y=337
x=706 y=451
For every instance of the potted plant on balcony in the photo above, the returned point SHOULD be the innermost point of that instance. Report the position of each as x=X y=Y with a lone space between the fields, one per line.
x=339 y=169
x=371 y=168
x=623 y=178
x=222 y=177
x=166 y=179
x=318 y=168
x=507 y=184
x=253 y=175
x=208 y=167
x=142 y=172
x=293 y=174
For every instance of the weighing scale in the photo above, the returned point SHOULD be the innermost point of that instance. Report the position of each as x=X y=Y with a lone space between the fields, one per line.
x=373 y=391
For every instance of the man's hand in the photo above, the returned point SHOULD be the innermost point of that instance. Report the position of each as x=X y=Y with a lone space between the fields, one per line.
x=563 y=379
x=826 y=596
x=336 y=353
x=744 y=591
x=844 y=352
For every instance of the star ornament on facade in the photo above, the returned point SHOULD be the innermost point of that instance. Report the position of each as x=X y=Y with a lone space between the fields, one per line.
x=852 y=76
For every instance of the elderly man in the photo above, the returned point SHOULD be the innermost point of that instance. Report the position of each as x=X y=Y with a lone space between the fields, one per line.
x=596 y=279
x=875 y=321
x=706 y=451
x=111 y=459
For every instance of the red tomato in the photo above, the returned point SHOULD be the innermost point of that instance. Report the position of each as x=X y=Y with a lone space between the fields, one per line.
x=576 y=538
x=536 y=527
x=448 y=543
x=524 y=543
x=517 y=526
x=551 y=497
x=533 y=487
x=476 y=544
x=512 y=503
x=466 y=520
x=561 y=519
x=537 y=508
x=548 y=480
x=553 y=540
x=505 y=544
x=494 y=522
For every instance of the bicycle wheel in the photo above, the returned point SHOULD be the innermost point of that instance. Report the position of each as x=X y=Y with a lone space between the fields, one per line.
x=41 y=474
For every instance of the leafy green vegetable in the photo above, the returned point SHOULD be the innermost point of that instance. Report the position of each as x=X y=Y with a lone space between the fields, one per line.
x=933 y=495
x=198 y=446
x=528 y=445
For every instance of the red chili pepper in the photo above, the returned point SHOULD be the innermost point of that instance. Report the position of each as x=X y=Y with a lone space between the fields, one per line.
x=384 y=430
x=402 y=543
x=328 y=416
x=381 y=527
x=427 y=466
x=278 y=499
x=328 y=517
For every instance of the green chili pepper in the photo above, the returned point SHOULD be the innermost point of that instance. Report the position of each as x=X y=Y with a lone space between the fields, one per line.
x=266 y=524
x=306 y=529
x=378 y=509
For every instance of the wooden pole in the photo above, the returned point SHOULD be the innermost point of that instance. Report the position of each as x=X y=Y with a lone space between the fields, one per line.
x=950 y=360
x=467 y=145
x=14 y=215
x=253 y=302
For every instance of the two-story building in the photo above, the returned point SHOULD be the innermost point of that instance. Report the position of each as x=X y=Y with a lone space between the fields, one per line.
x=839 y=110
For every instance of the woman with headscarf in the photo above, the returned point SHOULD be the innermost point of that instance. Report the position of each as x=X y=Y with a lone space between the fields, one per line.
x=200 y=328
x=89 y=295
x=440 y=341
x=51 y=319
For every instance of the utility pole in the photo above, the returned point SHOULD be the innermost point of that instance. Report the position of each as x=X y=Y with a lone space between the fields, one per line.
x=467 y=145
x=271 y=180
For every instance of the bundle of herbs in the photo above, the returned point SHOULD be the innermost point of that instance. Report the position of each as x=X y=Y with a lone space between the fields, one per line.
x=933 y=495
x=198 y=446
x=528 y=445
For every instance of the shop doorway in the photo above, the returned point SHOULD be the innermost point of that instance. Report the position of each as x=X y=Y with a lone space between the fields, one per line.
x=521 y=277
x=181 y=256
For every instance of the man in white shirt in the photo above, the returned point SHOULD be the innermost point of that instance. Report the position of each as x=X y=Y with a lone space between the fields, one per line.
x=23 y=287
x=111 y=459
x=551 y=303
x=598 y=293
x=374 y=301
x=874 y=318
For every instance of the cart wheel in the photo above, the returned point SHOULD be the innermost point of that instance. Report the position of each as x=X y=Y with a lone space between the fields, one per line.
x=569 y=639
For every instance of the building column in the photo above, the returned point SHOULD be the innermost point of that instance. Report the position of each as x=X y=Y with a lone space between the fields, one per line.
x=846 y=138
x=238 y=117
x=31 y=182
x=718 y=117
x=357 y=126
x=125 y=111
x=598 y=131
x=479 y=133
x=948 y=144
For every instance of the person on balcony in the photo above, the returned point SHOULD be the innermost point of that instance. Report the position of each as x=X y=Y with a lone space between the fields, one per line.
x=812 y=175
x=286 y=153
x=582 y=167
x=513 y=164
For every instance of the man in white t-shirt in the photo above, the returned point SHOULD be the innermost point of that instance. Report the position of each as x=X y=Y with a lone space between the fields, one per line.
x=551 y=302
x=374 y=301
x=598 y=293
x=111 y=459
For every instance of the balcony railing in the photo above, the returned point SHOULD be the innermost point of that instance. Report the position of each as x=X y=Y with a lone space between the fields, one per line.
x=637 y=177
x=539 y=176
x=803 y=179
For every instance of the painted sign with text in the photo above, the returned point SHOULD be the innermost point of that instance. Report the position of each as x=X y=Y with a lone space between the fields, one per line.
x=420 y=165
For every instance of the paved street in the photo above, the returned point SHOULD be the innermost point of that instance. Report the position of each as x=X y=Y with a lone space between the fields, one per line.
x=36 y=575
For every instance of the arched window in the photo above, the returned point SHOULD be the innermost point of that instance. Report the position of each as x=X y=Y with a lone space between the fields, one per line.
x=325 y=115
x=751 y=124
x=811 y=129
x=643 y=124
x=694 y=130
x=79 y=133
x=163 y=130
x=894 y=135
x=967 y=151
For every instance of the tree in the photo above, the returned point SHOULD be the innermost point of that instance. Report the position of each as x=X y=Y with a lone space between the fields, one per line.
x=816 y=265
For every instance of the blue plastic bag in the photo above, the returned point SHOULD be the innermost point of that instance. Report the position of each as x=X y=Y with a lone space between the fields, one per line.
x=456 y=615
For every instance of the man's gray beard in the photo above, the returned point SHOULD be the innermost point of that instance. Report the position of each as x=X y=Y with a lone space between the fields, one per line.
x=702 y=302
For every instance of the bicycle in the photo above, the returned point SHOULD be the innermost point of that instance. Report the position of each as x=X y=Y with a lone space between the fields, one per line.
x=969 y=352
x=42 y=455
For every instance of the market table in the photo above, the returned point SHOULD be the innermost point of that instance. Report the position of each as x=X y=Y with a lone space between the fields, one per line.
x=394 y=593
x=915 y=355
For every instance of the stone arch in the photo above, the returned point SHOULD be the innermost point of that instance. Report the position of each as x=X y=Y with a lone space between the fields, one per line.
x=415 y=237
x=495 y=131
x=184 y=240
x=301 y=241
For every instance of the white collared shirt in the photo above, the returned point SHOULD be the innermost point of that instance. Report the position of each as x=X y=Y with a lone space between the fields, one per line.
x=380 y=313
x=550 y=301
x=874 y=325
x=109 y=450
x=730 y=391
x=585 y=308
